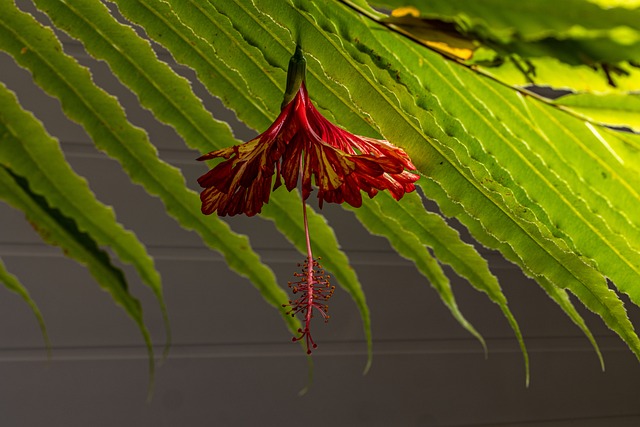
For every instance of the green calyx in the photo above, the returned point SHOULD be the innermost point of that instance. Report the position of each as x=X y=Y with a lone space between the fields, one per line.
x=295 y=75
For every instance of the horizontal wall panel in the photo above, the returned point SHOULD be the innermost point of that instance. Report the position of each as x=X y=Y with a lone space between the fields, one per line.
x=404 y=390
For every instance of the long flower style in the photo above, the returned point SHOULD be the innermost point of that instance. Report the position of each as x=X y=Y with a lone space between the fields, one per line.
x=303 y=148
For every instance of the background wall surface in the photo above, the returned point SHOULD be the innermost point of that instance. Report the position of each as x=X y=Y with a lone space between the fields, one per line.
x=232 y=362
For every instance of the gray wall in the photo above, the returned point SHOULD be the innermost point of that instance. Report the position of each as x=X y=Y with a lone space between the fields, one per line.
x=232 y=362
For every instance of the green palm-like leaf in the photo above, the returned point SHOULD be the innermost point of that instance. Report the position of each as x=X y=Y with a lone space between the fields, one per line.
x=22 y=136
x=12 y=283
x=60 y=230
x=29 y=151
x=37 y=49
x=485 y=165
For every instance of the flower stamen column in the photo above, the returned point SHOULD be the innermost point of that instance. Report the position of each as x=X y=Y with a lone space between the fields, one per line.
x=313 y=285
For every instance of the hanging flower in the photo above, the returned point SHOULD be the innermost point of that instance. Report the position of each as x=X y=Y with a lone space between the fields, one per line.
x=303 y=148
x=302 y=144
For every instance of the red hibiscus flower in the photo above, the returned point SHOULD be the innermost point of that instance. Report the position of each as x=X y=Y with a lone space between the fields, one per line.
x=302 y=146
